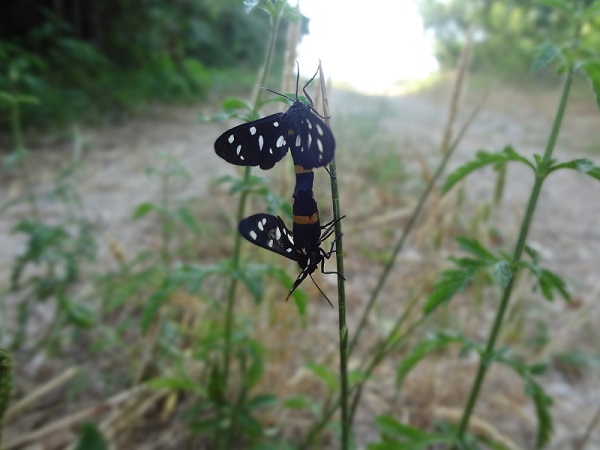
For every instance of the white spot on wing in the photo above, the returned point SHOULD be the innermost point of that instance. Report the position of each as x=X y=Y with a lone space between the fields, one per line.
x=280 y=141
x=309 y=140
x=320 y=145
x=319 y=129
x=277 y=233
x=275 y=124
x=253 y=234
x=242 y=157
x=270 y=243
x=291 y=238
x=298 y=141
x=253 y=131
x=231 y=139
x=238 y=149
x=261 y=141
x=260 y=226
x=309 y=124
x=289 y=249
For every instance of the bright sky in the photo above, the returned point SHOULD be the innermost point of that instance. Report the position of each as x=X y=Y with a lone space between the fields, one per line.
x=370 y=44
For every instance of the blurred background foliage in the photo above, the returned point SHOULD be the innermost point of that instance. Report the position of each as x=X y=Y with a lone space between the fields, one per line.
x=94 y=59
x=97 y=60
x=507 y=33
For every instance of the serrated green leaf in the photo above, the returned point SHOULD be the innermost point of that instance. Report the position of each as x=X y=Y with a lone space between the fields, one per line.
x=425 y=348
x=449 y=283
x=583 y=166
x=545 y=54
x=502 y=273
x=533 y=253
x=483 y=158
x=549 y=282
x=474 y=247
x=471 y=264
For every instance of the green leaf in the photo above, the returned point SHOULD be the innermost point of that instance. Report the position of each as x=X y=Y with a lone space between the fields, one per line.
x=261 y=401
x=232 y=104
x=186 y=217
x=173 y=384
x=91 y=438
x=399 y=436
x=474 y=247
x=502 y=273
x=549 y=282
x=592 y=72
x=330 y=378
x=545 y=54
x=483 y=158
x=541 y=400
x=143 y=209
x=583 y=166
x=448 y=283
x=425 y=348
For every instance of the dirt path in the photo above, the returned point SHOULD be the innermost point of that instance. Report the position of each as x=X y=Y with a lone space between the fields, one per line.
x=565 y=231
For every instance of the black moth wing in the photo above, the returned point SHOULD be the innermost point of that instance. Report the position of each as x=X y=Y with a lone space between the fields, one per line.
x=269 y=232
x=258 y=143
x=311 y=142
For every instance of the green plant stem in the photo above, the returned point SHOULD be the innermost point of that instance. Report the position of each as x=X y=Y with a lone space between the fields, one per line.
x=235 y=262
x=339 y=256
x=166 y=235
x=21 y=156
x=541 y=173
x=383 y=349
x=409 y=225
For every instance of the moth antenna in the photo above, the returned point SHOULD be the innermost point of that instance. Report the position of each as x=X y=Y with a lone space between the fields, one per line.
x=297 y=78
x=279 y=93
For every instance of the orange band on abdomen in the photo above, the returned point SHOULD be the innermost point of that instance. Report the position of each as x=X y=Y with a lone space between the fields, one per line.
x=306 y=220
x=300 y=169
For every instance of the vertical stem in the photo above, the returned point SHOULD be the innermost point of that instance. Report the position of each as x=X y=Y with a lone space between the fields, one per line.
x=447 y=150
x=21 y=155
x=541 y=173
x=339 y=256
x=164 y=218
x=231 y=295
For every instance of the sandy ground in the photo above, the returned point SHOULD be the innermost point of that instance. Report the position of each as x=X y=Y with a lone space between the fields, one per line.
x=112 y=182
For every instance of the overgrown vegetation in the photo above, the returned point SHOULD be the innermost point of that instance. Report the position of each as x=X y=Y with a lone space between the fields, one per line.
x=108 y=58
x=182 y=336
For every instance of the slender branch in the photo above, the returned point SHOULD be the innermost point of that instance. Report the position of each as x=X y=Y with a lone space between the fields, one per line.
x=541 y=173
x=447 y=150
x=343 y=328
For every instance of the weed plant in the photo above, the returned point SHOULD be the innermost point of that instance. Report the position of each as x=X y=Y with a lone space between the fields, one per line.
x=197 y=344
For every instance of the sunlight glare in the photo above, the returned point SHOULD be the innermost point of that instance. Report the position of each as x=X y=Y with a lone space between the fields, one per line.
x=370 y=45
